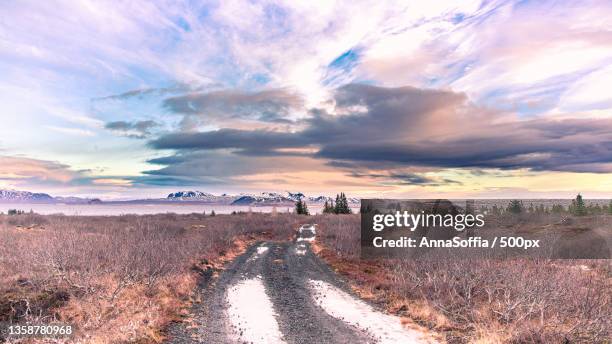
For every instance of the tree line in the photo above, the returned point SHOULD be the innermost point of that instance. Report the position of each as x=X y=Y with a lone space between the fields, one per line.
x=340 y=206
x=578 y=207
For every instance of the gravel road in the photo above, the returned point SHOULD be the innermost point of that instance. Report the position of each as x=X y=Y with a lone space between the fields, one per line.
x=283 y=293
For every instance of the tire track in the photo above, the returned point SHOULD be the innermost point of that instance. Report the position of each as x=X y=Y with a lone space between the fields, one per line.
x=283 y=293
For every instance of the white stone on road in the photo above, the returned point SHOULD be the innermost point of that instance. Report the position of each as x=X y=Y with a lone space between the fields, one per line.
x=383 y=327
x=261 y=250
x=300 y=249
x=251 y=313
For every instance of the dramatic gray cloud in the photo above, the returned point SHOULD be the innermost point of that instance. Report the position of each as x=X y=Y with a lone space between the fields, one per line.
x=375 y=128
x=273 y=106
x=219 y=167
x=138 y=129
x=404 y=178
x=248 y=140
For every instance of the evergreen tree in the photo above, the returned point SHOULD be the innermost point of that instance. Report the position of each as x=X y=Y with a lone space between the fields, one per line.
x=515 y=207
x=347 y=209
x=301 y=208
x=557 y=209
x=578 y=206
x=342 y=206
x=338 y=204
x=328 y=208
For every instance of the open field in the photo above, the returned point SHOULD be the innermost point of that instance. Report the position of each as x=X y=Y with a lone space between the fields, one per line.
x=118 y=279
x=482 y=301
x=124 y=279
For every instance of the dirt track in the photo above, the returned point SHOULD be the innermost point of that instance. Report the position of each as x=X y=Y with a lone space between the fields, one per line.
x=273 y=294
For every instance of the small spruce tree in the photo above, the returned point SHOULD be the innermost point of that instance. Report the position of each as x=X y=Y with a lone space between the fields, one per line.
x=342 y=206
x=301 y=208
x=578 y=207
x=328 y=208
x=515 y=207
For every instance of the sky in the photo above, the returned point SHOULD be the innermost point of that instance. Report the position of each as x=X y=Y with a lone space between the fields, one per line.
x=409 y=99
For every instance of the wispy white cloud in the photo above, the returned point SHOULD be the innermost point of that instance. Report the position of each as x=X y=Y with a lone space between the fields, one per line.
x=61 y=59
x=72 y=131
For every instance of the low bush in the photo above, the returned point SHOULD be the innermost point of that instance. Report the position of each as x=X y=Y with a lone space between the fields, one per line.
x=480 y=300
x=118 y=279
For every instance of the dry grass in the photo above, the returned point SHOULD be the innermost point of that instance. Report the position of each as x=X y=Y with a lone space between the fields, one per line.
x=118 y=279
x=479 y=301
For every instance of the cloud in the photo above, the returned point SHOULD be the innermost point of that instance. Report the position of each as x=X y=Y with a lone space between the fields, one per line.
x=21 y=170
x=416 y=127
x=404 y=178
x=222 y=167
x=72 y=131
x=271 y=105
x=247 y=140
x=138 y=129
x=492 y=86
x=141 y=92
x=395 y=128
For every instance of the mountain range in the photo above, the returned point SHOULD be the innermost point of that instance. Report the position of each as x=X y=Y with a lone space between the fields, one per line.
x=14 y=196
x=264 y=198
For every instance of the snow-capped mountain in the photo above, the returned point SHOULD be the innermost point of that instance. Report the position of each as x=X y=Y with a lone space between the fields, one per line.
x=24 y=196
x=269 y=198
x=14 y=196
x=190 y=196
x=295 y=196
x=264 y=198
x=320 y=199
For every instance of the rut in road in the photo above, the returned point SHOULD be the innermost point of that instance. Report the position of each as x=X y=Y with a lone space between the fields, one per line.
x=283 y=293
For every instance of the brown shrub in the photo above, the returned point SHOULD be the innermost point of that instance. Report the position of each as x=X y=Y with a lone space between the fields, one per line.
x=480 y=300
x=118 y=278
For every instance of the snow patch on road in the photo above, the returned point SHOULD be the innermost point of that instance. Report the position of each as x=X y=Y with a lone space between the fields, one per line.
x=251 y=313
x=305 y=239
x=385 y=328
x=310 y=228
x=261 y=250
x=300 y=249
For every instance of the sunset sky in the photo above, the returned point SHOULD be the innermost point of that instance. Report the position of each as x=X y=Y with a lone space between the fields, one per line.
x=397 y=99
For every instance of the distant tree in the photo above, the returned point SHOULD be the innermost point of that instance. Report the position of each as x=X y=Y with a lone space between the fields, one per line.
x=557 y=209
x=212 y=213
x=578 y=207
x=328 y=208
x=594 y=209
x=515 y=207
x=342 y=206
x=541 y=209
x=531 y=208
x=610 y=208
x=337 y=204
x=496 y=210
x=301 y=208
